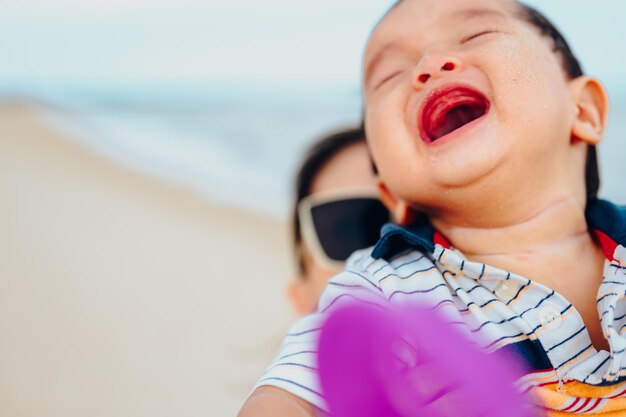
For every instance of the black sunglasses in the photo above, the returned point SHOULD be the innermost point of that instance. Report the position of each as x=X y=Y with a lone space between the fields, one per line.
x=335 y=224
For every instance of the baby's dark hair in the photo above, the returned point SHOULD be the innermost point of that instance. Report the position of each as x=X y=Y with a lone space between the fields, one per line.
x=571 y=65
x=573 y=69
x=315 y=159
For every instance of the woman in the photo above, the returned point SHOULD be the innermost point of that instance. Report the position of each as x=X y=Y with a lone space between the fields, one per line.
x=336 y=211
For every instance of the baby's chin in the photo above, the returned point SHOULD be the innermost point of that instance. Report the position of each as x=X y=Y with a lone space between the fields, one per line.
x=457 y=184
x=467 y=163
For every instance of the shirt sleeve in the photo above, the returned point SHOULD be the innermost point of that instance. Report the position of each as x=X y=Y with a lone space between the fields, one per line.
x=294 y=369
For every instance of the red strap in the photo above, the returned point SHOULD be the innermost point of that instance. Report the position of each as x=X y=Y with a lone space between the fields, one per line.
x=439 y=239
x=608 y=245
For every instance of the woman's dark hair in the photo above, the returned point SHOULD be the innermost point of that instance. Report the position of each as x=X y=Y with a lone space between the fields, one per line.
x=315 y=159
x=573 y=69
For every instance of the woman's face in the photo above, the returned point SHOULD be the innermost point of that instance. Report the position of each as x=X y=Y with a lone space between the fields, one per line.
x=349 y=168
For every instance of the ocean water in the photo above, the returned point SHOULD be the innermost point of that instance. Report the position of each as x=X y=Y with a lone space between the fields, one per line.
x=240 y=146
x=237 y=148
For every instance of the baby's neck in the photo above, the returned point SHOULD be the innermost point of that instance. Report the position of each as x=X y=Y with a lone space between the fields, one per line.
x=555 y=237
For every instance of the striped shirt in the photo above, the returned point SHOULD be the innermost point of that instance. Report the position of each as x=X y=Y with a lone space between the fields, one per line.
x=501 y=309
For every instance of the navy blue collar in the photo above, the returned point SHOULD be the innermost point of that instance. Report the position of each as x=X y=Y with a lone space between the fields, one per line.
x=602 y=216
x=396 y=239
x=609 y=219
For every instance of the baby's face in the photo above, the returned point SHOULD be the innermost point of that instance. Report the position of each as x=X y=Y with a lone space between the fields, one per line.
x=464 y=95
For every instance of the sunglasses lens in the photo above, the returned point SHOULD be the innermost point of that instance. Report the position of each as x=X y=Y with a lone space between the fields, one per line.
x=345 y=226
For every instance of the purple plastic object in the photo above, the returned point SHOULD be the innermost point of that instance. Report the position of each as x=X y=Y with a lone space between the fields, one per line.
x=408 y=362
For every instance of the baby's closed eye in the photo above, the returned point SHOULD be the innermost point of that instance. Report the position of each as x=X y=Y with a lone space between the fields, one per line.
x=386 y=78
x=479 y=34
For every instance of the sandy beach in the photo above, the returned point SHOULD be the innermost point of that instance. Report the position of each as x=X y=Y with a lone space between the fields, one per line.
x=123 y=296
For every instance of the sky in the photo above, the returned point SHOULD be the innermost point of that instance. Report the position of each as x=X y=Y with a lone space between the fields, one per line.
x=192 y=42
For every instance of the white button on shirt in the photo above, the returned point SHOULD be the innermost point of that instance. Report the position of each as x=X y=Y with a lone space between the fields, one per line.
x=507 y=290
x=550 y=318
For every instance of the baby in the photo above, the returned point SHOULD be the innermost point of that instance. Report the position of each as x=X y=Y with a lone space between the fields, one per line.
x=478 y=115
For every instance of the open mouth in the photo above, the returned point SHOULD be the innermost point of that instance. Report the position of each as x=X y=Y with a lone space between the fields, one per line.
x=449 y=110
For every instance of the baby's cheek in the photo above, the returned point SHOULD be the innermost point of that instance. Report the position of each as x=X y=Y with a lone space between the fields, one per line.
x=382 y=126
x=529 y=72
x=514 y=71
x=530 y=90
x=393 y=137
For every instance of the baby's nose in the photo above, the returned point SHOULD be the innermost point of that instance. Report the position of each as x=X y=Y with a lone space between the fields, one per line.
x=433 y=66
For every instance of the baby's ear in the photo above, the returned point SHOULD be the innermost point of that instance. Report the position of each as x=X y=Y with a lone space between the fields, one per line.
x=399 y=209
x=592 y=109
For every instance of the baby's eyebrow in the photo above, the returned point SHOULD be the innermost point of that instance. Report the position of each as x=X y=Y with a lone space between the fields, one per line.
x=473 y=13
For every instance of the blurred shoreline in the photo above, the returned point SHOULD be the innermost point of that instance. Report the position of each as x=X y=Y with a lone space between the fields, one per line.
x=240 y=150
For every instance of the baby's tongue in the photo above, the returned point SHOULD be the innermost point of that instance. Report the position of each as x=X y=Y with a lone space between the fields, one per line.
x=453 y=120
